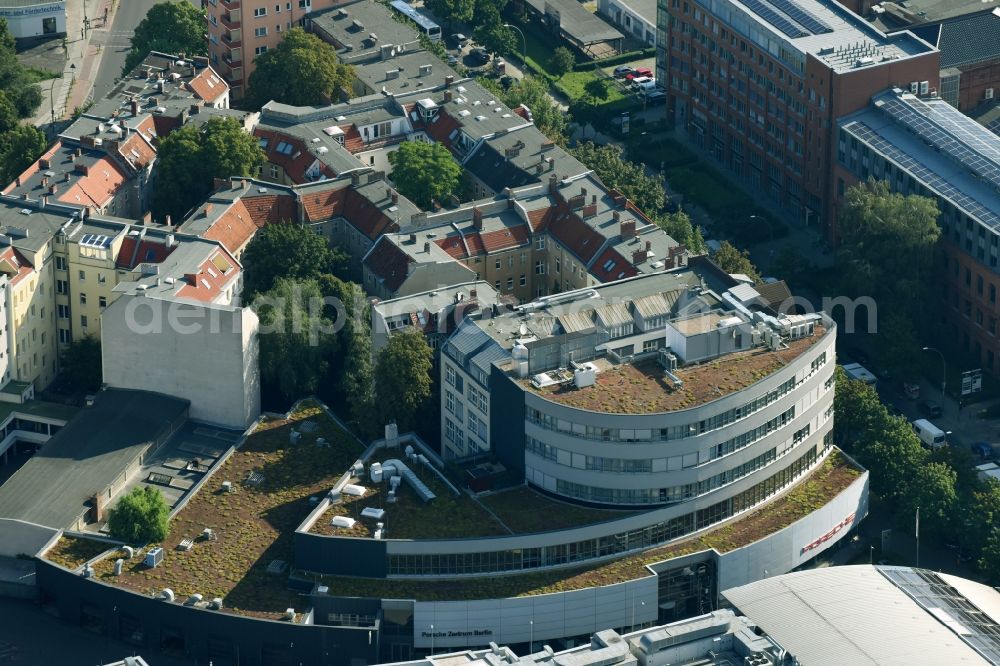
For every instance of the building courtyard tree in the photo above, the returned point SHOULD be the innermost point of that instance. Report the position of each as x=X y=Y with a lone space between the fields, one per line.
x=424 y=172
x=142 y=516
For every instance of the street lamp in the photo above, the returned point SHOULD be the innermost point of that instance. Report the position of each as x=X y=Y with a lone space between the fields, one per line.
x=531 y=636
x=524 y=46
x=944 y=376
x=432 y=639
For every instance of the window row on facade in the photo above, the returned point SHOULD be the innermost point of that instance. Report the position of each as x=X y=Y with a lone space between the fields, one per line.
x=521 y=559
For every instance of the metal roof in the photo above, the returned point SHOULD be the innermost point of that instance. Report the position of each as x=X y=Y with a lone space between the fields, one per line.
x=849 y=615
x=575 y=322
x=656 y=305
x=613 y=314
x=484 y=359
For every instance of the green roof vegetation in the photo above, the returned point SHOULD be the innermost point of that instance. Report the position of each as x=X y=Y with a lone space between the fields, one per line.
x=833 y=476
x=254 y=525
x=49 y=410
x=72 y=552
x=525 y=510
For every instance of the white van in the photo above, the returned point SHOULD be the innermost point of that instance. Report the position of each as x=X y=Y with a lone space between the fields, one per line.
x=930 y=435
x=861 y=373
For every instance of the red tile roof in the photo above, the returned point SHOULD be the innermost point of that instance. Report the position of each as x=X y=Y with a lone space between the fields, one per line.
x=505 y=239
x=97 y=187
x=439 y=130
x=294 y=163
x=17 y=263
x=352 y=139
x=621 y=267
x=135 y=251
x=324 y=205
x=575 y=234
x=207 y=85
x=213 y=276
x=34 y=168
x=270 y=208
x=478 y=243
x=365 y=216
x=390 y=263
x=234 y=228
x=144 y=152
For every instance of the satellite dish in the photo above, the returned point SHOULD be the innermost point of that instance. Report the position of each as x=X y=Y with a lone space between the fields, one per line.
x=522 y=329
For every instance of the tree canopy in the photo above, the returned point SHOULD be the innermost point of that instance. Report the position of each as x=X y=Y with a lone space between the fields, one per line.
x=733 y=260
x=15 y=80
x=287 y=250
x=616 y=172
x=534 y=94
x=490 y=30
x=80 y=363
x=296 y=338
x=424 y=172
x=19 y=147
x=452 y=11
x=561 y=61
x=172 y=27
x=302 y=70
x=140 y=517
x=402 y=377
x=190 y=158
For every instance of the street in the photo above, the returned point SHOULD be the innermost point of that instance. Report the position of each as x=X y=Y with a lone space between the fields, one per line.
x=114 y=41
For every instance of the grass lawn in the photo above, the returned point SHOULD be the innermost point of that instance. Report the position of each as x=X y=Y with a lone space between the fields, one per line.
x=833 y=476
x=254 y=525
x=71 y=552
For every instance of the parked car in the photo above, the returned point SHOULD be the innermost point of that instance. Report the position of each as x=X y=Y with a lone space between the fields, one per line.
x=911 y=391
x=639 y=82
x=452 y=60
x=654 y=97
x=479 y=55
x=622 y=71
x=930 y=408
x=458 y=40
x=983 y=449
x=638 y=72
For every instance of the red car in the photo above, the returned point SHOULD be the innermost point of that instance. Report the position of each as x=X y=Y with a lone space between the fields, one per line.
x=636 y=73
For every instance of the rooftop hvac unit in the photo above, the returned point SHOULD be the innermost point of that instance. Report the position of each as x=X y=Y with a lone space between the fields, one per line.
x=408 y=450
x=119 y=565
x=154 y=557
x=129 y=552
x=227 y=486
x=522 y=369
x=988 y=93
x=915 y=87
x=924 y=87
x=343 y=522
x=193 y=599
x=167 y=594
x=88 y=571
x=667 y=359
x=585 y=376
x=215 y=604
x=375 y=472
x=290 y=614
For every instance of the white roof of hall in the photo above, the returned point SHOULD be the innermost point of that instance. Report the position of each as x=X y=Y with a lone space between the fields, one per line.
x=826 y=29
x=868 y=616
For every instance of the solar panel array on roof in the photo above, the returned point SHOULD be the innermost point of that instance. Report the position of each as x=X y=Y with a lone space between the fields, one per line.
x=950 y=608
x=994 y=126
x=774 y=18
x=802 y=17
x=95 y=240
x=923 y=173
x=953 y=133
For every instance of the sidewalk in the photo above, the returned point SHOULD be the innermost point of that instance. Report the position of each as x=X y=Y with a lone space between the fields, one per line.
x=82 y=60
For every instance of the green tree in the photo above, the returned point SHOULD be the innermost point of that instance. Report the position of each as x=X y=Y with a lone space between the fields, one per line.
x=897 y=344
x=874 y=219
x=140 y=517
x=452 y=11
x=7 y=42
x=989 y=557
x=302 y=70
x=80 y=363
x=296 y=339
x=402 y=377
x=18 y=149
x=534 y=94
x=858 y=410
x=15 y=81
x=424 y=172
x=561 y=61
x=732 y=260
x=892 y=453
x=616 y=172
x=169 y=27
x=8 y=114
x=490 y=31
x=931 y=487
x=189 y=158
x=981 y=515
x=287 y=250
x=679 y=227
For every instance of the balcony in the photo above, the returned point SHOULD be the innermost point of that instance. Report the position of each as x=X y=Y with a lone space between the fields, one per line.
x=230 y=4
x=231 y=21
x=231 y=42
x=233 y=64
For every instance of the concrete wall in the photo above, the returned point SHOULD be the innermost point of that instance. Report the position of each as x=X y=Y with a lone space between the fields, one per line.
x=204 y=353
x=30 y=21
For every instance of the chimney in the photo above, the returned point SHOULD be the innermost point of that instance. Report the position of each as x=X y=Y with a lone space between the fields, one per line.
x=171 y=240
x=169 y=223
x=219 y=183
x=395 y=197
x=649 y=246
x=553 y=184
x=627 y=229
x=191 y=278
x=669 y=263
x=78 y=152
x=53 y=188
x=638 y=257
x=472 y=293
x=413 y=238
x=195 y=108
x=616 y=216
x=355 y=179
x=18 y=181
x=147 y=219
x=134 y=106
x=44 y=163
x=388 y=193
x=82 y=168
x=43 y=202
x=477 y=218
x=208 y=208
x=447 y=96
x=583 y=192
x=45 y=182
x=589 y=211
x=593 y=199
x=448 y=80
x=85 y=213
x=66 y=177
x=427 y=247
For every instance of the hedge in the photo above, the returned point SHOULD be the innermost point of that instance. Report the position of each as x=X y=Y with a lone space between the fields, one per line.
x=619 y=59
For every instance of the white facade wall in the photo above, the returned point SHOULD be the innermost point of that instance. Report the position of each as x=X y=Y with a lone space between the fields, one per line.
x=205 y=353
x=34 y=18
x=456 y=406
x=631 y=22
